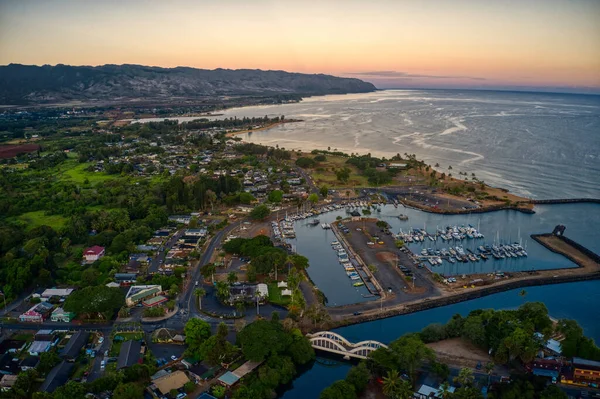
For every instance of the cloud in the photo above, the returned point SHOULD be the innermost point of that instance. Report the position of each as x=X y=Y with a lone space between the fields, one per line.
x=406 y=75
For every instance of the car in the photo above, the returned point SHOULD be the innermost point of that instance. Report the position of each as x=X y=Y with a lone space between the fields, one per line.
x=196 y=283
x=358 y=229
x=173 y=357
x=102 y=365
x=180 y=396
x=100 y=340
x=357 y=313
x=380 y=242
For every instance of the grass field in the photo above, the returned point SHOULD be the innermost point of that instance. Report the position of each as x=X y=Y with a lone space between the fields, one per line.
x=39 y=218
x=324 y=173
x=275 y=295
x=77 y=173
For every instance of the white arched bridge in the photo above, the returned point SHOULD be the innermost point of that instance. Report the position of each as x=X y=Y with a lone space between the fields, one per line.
x=332 y=342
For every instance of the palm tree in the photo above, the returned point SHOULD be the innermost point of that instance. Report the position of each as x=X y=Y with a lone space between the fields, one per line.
x=404 y=391
x=199 y=293
x=465 y=377
x=209 y=271
x=391 y=383
x=232 y=277
x=444 y=390
x=489 y=367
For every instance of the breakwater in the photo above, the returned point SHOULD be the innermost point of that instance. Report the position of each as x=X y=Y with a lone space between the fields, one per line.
x=566 y=201
x=587 y=260
x=465 y=296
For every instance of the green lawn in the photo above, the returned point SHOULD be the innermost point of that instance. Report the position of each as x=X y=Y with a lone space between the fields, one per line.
x=77 y=172
x=275 y=295
x=39 y=218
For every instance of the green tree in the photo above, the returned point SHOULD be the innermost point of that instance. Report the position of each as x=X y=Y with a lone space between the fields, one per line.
x=222 y=288
x=275 y=196
x=47 y=361
x=99 y=301
x=260 y=212
x=324 y=191
x=410 y=353
x=25 y=385
x=130 y=390
x=218 y=391
x=553 y=392
x=313 y=198
x=464 y=377
x=359 y=377
x=232 y=277
x=209 y=271
x=262 y=338
x=196 y=331
x=246 y=198
x=339 y=390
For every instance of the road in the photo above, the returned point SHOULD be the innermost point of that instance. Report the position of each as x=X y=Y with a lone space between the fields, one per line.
x=158 y=260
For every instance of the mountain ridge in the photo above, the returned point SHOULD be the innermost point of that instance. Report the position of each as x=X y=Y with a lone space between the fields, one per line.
x=30 y=84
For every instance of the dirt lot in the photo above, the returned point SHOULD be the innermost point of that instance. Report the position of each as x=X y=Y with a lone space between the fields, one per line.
x=11 y=150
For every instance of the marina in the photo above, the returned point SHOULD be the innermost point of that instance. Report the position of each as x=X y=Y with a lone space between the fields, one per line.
x=331 y=278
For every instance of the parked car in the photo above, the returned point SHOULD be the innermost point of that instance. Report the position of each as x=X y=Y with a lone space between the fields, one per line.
x=173 y=357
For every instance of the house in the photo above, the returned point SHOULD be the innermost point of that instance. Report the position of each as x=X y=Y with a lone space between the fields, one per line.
x=395 y=165
x=7 y=381
x=139 y=293
x=125 y=279
x=30 y=362
x=129 y=354
x=182 y=219
x=9 y=364
x=427 y=392
x=166 y=383
x=39 y=347
x=74 y=346
x=44 y=335
x=57 y=377
x=197 y=233
x=59 y=292
x=94 y=253
x=37 y=313
x=228 y=379
x=549 y=368
x=61 y=315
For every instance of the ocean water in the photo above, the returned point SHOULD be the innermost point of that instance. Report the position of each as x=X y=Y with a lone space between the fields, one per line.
x=535 y=144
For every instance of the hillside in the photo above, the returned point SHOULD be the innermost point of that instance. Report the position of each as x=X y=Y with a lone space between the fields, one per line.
x=25 y=84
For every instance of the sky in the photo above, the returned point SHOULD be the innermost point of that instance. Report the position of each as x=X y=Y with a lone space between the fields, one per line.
x=391 y=43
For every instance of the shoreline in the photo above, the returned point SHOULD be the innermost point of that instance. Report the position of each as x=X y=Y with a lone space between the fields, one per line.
x=270 y=126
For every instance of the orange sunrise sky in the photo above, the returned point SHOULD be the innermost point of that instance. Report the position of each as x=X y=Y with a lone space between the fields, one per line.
x=443 y=43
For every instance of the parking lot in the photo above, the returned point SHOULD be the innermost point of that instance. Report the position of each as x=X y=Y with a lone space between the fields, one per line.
x=394 y=268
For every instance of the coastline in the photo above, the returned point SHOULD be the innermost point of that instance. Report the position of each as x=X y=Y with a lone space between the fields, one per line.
x=266 y=127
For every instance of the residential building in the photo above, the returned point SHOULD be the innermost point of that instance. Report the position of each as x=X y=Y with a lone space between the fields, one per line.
x=139 y=293
x=549 y=368
x=37 y=313
x=39 y=347
x=74 y=346
x=30 y=362
x=61 y=315
x=183 y=219
x=198 y=233
x=59 y=292
x=7 y=381
x=9 y=364
x=57 y=377
x=395 y=165
x=125 y=279
x=174 y=380
x=94 y=253
x=129 y=354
